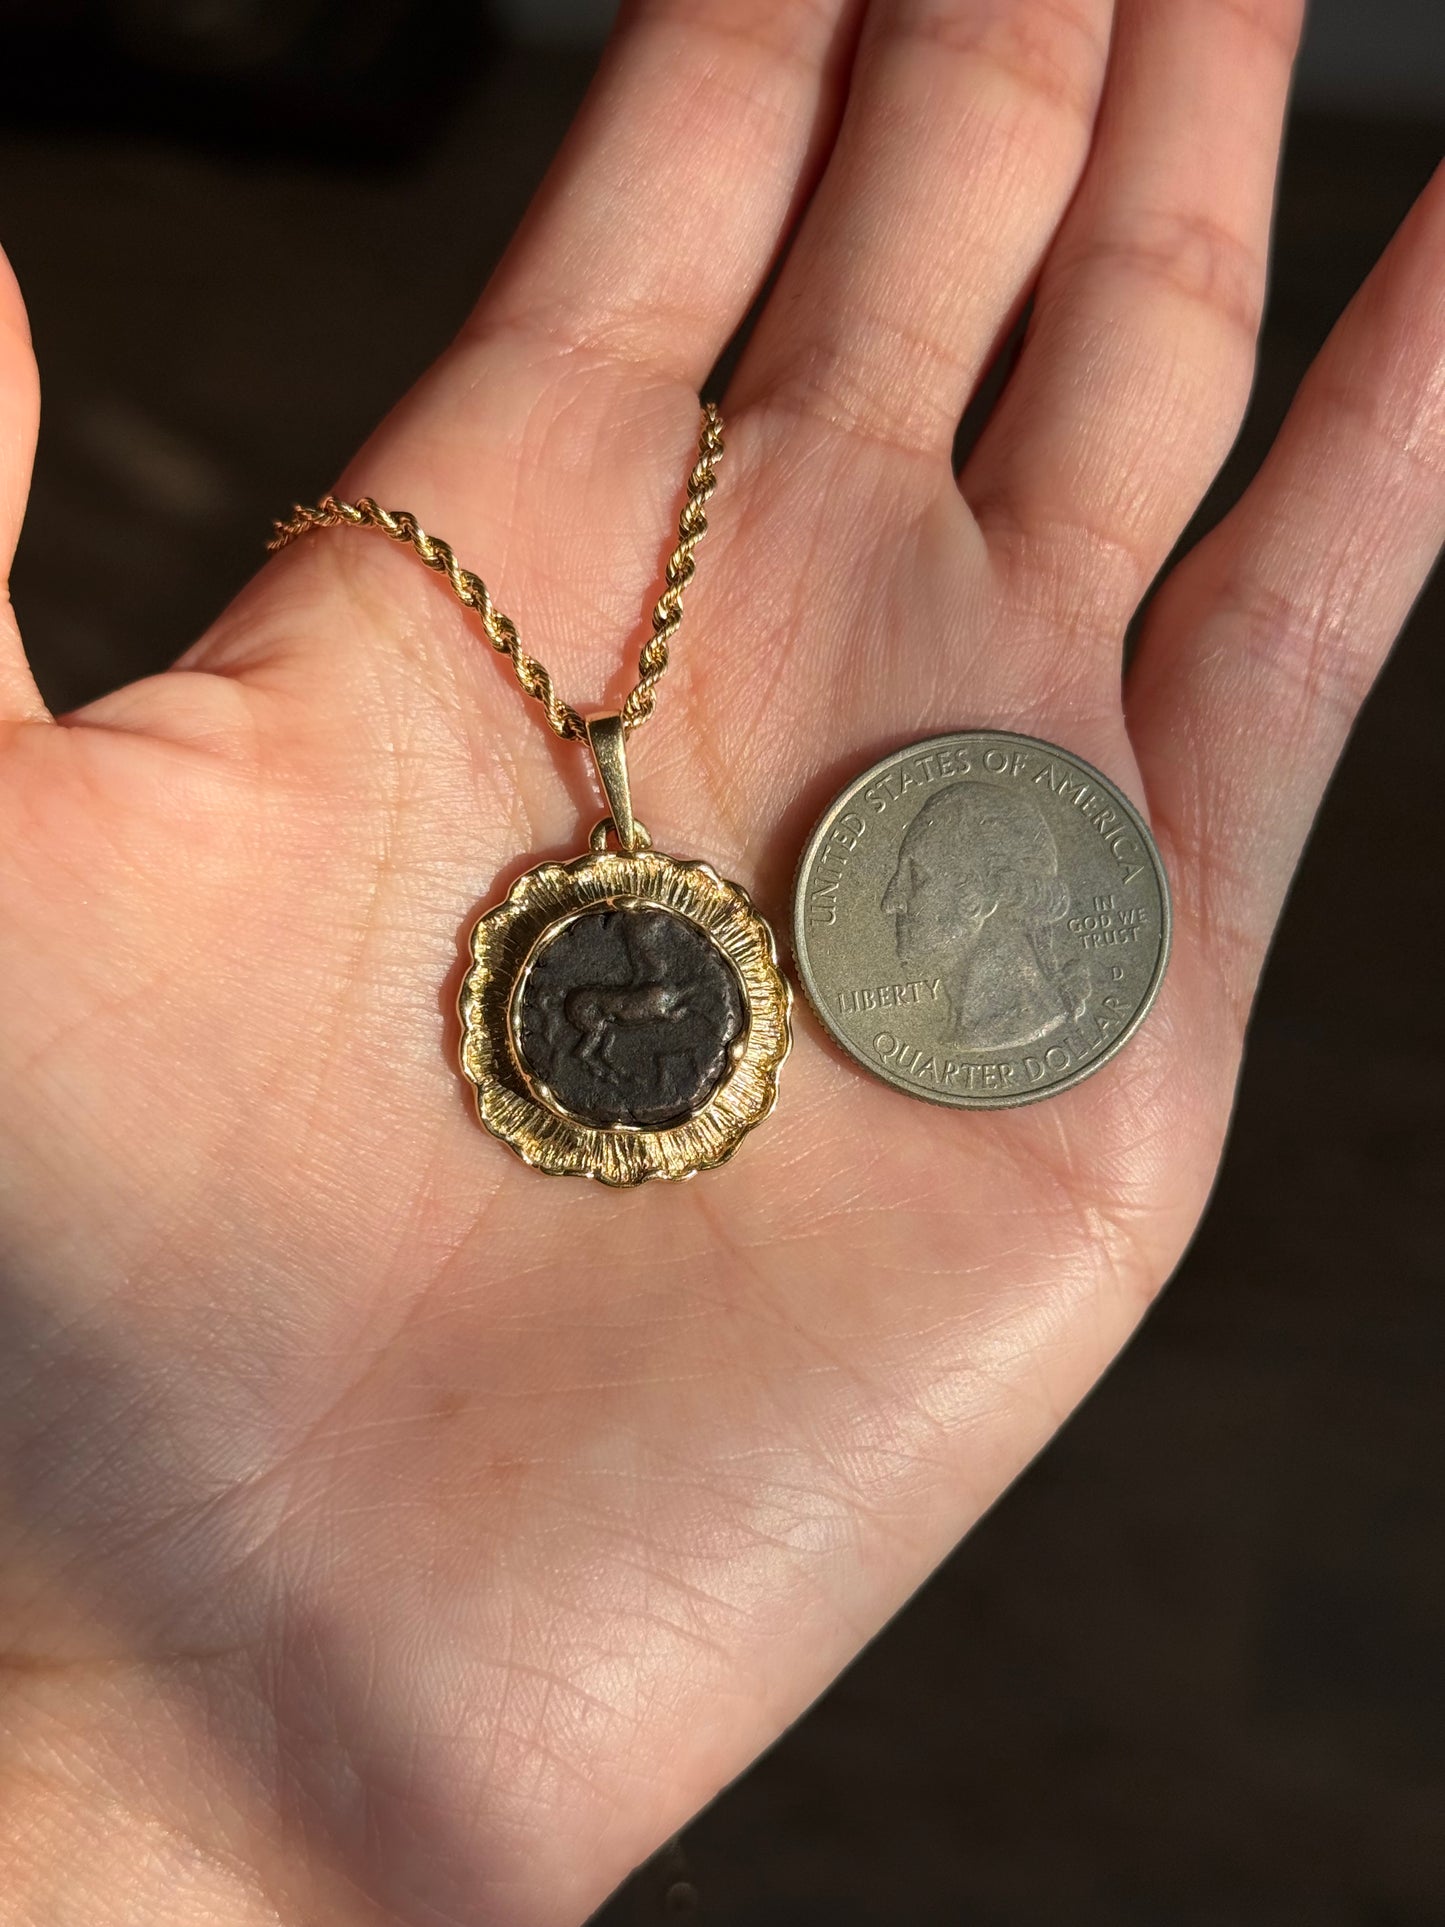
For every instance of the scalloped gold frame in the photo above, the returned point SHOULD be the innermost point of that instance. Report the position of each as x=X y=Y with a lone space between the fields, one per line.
x=505 y=939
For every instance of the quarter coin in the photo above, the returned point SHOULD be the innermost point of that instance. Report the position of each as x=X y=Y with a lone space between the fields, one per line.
x=981 y=919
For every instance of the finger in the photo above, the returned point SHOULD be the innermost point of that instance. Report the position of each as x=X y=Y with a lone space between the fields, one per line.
x=1139 y=357
x=19 y=418
x=966 y=126
x=1261 y=647
x=566 y=403
x=660 y=219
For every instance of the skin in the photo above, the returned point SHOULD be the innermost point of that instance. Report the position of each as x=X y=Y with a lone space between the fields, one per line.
x=388 y=1533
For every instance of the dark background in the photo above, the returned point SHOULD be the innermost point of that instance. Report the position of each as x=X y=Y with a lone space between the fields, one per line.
x=1190 y=1673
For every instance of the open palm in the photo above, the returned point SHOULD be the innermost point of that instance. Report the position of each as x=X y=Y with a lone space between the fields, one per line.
x=392 y=1534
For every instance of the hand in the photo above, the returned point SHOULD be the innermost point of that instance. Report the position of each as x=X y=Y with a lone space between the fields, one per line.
x=392 y=1534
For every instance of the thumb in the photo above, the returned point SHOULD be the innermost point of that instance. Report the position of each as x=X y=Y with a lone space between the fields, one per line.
x=19 y=418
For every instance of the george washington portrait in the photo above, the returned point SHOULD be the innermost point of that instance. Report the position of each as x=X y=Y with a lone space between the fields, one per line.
x=978 y=904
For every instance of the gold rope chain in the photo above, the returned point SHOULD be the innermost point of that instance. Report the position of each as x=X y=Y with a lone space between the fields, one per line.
x=470 y=590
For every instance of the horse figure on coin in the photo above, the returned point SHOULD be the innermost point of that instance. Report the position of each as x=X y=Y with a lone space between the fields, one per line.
x=599 y=1011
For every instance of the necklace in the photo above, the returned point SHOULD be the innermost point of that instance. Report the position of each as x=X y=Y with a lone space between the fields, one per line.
x=623 y=1016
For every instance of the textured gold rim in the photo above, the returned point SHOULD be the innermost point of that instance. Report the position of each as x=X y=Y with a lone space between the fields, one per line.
x=506 y=937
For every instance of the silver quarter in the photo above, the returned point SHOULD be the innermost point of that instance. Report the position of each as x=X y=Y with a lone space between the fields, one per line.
x=981 y=919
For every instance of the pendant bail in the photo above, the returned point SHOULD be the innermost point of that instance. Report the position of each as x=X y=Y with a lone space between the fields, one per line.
x=607 y=739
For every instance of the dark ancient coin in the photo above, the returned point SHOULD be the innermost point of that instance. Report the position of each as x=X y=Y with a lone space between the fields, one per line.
x=628 y=1015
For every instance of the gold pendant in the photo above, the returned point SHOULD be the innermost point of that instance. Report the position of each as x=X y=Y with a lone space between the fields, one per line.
x=624 y=1016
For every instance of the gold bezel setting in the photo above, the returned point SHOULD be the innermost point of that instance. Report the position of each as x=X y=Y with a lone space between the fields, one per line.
x=513 y=1106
